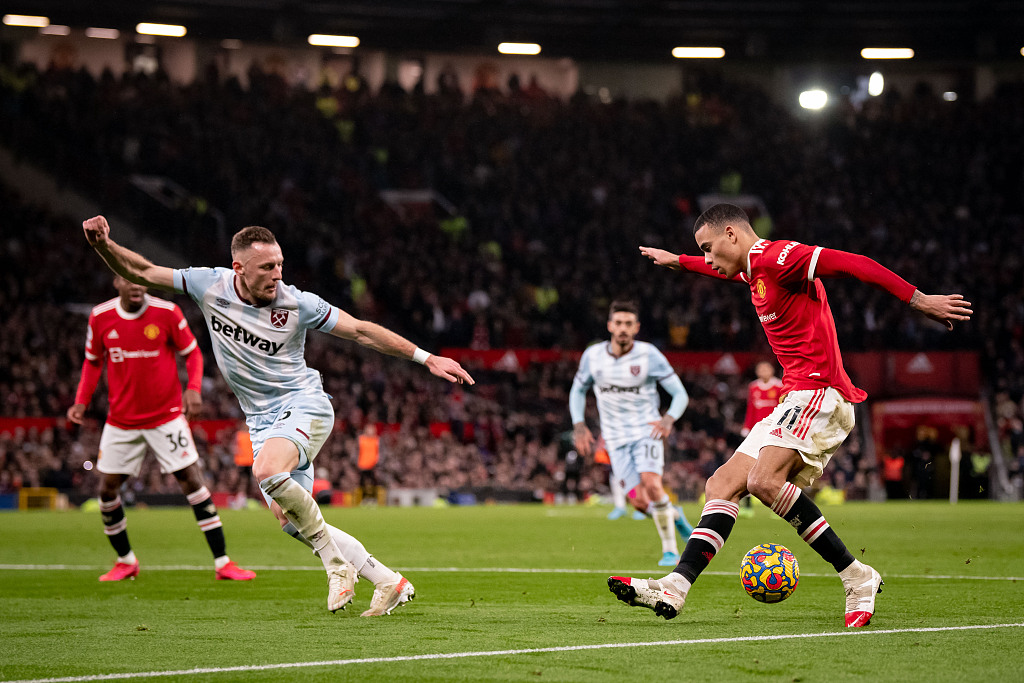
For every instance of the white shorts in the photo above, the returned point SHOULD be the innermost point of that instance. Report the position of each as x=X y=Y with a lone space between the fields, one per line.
x=630 y=459
x=306 y=420
x=814 y=423
x=122 y=450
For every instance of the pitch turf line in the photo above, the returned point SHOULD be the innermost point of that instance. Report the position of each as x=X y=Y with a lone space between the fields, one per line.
x=500 y=653
x=468 y=570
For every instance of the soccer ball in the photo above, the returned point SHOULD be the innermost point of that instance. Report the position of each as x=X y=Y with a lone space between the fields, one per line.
x=769 y=573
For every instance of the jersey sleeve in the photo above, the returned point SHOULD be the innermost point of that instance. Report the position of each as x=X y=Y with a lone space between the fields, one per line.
x=182 y=338
x=315 y=313
x=793 y=263
x=584 y=375
x=94 y=348
x=660 y=369
x=194 y=281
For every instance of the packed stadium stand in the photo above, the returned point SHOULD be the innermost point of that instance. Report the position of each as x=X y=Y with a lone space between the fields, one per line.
x=538 y=205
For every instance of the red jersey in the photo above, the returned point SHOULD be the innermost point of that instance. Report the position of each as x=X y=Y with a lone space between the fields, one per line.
x=762 y=398
x=142 y=370
x=793 y=309
x=791 y=304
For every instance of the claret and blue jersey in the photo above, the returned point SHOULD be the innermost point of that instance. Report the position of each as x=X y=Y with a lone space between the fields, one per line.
x=625 y=387
x=259 y=350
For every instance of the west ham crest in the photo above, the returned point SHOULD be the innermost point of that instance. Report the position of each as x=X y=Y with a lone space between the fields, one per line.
x=278 y=317
x=634 y=370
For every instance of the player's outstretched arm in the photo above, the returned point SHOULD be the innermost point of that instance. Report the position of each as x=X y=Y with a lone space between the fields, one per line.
x=662 y=257
x=125 y=262
x=384 y=340
x=943 y=308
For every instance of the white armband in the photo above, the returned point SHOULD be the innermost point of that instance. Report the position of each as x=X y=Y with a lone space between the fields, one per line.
x=420 y=356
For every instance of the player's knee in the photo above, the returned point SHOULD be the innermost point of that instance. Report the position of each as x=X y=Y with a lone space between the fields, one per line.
x=109 y=488
x=723 y=486
x=762 y=486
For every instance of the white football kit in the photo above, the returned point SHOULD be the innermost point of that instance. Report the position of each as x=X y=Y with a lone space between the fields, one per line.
x=628 y=402
x=260 y=353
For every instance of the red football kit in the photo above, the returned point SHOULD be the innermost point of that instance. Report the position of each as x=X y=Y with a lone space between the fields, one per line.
x=142 y=372
x=793 y=309
x=762 y=399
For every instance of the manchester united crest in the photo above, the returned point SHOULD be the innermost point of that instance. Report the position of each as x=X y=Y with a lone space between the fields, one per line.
x=151 y=331
x=278 y=317
x=760 y=288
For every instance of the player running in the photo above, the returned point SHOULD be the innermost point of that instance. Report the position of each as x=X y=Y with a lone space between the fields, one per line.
x=258 y=328
x=139 y=337
x=625 y=374
x=789 y=448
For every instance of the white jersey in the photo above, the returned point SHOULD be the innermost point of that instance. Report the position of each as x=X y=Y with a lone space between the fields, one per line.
x=259 y=350
x=626 y=388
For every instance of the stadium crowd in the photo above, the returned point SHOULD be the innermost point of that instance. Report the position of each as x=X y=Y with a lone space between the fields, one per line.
x=551 y=199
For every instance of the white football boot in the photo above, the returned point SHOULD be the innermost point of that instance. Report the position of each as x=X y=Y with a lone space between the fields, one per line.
x=341 y=586
x=861 y=583
x=388 y=596
x=655 y=594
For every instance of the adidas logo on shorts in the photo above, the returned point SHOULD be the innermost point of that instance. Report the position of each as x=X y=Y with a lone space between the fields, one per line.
x=777 y=432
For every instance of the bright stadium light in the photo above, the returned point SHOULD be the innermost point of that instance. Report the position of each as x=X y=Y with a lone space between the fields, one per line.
x=813 y=99
x=519 y=48
x=55 y=30
x=170 y=30
x=887 y=53
x=104 y=33
x=325 y=40
x=876 y=83
x=26 y=20
x=698 y=52
x=949 y=96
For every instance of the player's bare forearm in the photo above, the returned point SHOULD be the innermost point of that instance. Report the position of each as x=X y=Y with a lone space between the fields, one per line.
x=943 y=308
x=128 y=264
x=582 y=439
x=390 y=343
x=662 y=257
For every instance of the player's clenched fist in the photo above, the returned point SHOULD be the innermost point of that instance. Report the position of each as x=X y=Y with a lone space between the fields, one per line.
x=96 y=230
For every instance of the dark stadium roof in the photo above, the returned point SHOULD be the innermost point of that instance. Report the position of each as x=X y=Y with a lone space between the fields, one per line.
x=770 y=30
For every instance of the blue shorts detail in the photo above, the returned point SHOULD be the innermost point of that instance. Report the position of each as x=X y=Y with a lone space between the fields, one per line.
x=306 y=420
x=630 y=459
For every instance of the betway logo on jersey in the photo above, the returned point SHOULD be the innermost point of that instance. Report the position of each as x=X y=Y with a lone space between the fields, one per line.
x=612 y=389
x=785 y=252
x=244 y=336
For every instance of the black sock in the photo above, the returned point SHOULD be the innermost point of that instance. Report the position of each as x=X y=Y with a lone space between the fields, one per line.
x=115 y=526
x=208 y=520
x=794 y=506
x=707 y=538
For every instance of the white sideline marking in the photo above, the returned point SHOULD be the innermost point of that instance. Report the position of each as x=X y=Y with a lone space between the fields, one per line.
x=469 y=570
x=499 y=653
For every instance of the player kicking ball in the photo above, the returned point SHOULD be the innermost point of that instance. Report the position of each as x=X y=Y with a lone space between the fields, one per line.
x=258 y=328
x=790 y=448
x=139 y=337
x=625 y=375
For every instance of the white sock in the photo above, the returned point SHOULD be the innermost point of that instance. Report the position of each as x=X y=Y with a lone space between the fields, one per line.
x=618 y=494
x=677 y=581
x=219 y=562
x=129 y=558
x=303 y=512
x=853 y=571
x=371 y=569
x=664 y=520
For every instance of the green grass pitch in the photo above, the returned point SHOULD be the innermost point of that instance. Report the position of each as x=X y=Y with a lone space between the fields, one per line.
x=494 y=583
